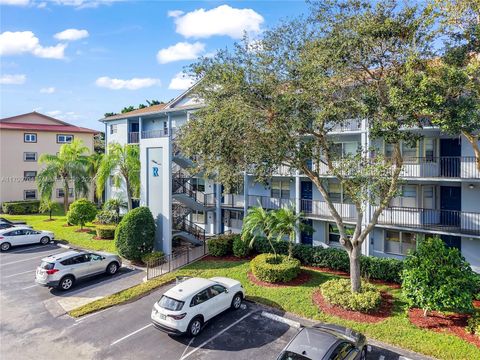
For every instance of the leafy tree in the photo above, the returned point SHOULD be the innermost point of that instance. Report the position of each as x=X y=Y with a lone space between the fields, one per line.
x=154 y=102
x=258 y=222
x=438 y=278
x=123 y=163
x=48 y=206
x=69 y=165
x=114 y=205
x=80 y=212
x=127 y=109
x=99 y=143
x=273 y=103
x=135 y=235
x=142 y=106
x=94 y=161
x=109 y=114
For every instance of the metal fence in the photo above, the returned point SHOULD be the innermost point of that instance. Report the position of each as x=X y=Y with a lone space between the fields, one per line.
x=174 y=261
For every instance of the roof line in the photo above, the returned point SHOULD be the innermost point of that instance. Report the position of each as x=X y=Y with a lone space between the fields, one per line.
x=37 y=113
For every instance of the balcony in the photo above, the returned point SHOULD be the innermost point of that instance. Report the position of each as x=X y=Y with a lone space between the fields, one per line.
x=351 y=125
x=269 y=202
x=133 y=137
x=233 y=201
x=152 y=134
x=319 y=209
x=463 y=167
x=451 y=221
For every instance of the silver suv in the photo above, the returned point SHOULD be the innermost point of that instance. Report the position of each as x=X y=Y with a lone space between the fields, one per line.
x=62 y=270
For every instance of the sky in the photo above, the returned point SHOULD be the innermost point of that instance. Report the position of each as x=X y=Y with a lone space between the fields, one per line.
x=78 y=59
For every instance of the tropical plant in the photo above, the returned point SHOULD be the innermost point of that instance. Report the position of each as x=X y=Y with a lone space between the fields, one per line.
x=80 y=212
x=436 y=277
x=114 y=205
x=48 y=206
x=123 y=163
x=94 y=161
x=258 y=223
x=68 y=166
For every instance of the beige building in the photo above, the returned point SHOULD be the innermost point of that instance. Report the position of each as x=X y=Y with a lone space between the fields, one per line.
x=23 y=139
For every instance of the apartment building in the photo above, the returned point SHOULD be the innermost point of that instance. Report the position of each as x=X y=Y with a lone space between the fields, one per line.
x=440 y=190
x=23 y=138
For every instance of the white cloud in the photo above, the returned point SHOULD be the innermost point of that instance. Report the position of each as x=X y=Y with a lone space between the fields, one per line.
x=222 y=20
x=71 y=35
x=180 y=51
x=47 y=90
x=20 y=42
x=42 y=5
x=15 y=2
x=54 y=113
x=10 y=79
x=83 y=4
x=131 y=84
x=175 y=13
x=181 y=81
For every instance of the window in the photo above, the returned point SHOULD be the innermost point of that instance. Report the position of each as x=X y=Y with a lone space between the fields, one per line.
x=111 y=181
x=408 y=152
x=341 y=351
x=29 y=156
x=334 y=234
x=399 y=243
x=288 y=355
x=198 y=217
x=29 y=175
x=201 y=297
x=280 y=189
x=30 y=138
x=64 y=139
x=60 y=193
x=165 y=128
x=217 y=290
x=335 y=192
x=30 y=194
x=113 y=128
x=344 y=148
x=407 y=197
x=198 y=184
x=168 y=303
x=430 y=146
x=428 y=197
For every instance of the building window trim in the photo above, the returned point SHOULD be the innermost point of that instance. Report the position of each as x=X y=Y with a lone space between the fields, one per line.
x=29 y=177
x=29 y=198
x=32 y=137
x=29 y=152
x=60 y=195
x=113 y=129
x=401 y=242
x=64 y=138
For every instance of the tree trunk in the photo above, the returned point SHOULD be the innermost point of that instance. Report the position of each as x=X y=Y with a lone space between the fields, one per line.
x=65 y=196
x=473 y=140
x=129 y=195
x=50 y=213
x=354 y=256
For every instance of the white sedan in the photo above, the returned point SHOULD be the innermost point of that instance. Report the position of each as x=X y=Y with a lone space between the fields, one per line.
x=186 y=307
x=23 y=235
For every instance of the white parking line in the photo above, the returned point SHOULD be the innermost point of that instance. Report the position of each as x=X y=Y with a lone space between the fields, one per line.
x=215 y=336
x=79 y=320
x=29 y=287
x=20 y=273
x=32 y=248
x=281 y=319
x=188 y=346
x=23 y=260
x=131 y=334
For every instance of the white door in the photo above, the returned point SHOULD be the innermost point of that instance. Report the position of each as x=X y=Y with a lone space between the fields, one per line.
x=15 y=237
x=31 y=236
x=220 y=299
x=203 y=304
x=97 y=264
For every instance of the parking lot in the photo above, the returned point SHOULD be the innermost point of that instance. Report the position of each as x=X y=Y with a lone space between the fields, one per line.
x=34 y=325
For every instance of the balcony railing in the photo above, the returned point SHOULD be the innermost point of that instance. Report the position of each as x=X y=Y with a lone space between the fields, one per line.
x=233 y=200
x=351 y=125
x=269 y=202
x=319 y=208
x=133 y=137
x=183 y=186
x=151 y=134
x=445 y=167
x=431 y=219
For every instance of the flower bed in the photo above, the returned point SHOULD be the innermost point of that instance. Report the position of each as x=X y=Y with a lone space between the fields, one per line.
x=301 y=279
x=274 y=269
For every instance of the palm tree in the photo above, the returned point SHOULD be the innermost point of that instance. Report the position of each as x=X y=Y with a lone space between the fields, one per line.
x=123 y=163
x=286 y=222
x=258 y=222
x=48 y=206
x=94 y=162
x=69 y=165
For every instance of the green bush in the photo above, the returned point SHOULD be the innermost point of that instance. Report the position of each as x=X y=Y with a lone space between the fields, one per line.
x=240 y=248
x=107 y=217
x=336 y=259
x=221 y=245
x=436 y=277
x=267 y=267
x=338 y=292
x=135 y=235
x=473 y=325
x=105 y=231
x=21 y=207
x=154 y=258
x=80 y=212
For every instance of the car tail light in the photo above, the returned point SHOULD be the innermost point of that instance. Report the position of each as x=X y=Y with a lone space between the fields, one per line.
x=1 y=237
x=177 y=317
x=52 y=271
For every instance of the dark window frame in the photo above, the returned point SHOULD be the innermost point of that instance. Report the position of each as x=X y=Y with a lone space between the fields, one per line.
x=25 y=194
x=29 y=152
x=29 y=178
x=33 y=142
x=65 y=142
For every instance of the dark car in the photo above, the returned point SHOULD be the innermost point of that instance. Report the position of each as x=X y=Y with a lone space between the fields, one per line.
x=5 y=226
x=325 y=342
x=6 y=221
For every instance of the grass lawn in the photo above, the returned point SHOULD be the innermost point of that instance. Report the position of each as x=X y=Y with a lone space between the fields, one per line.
x=66 y=233
x=396 y=330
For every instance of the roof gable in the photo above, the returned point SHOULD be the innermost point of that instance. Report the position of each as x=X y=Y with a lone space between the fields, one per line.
x=33 y=118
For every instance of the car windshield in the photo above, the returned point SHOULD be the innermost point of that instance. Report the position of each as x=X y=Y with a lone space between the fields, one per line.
x=288 y=355
x=170 y=304
x=46 y=265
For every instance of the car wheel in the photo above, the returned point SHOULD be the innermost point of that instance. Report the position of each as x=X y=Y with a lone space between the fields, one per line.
x=5 y=246
x=195 y=326
x=237 y=301
x=44 y=240
x=66 y=283
x=112 y=268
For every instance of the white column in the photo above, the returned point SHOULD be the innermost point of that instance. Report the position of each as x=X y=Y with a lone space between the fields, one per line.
x=365 y=139
x=297 y=203
x=245 y=193
x=218 y=208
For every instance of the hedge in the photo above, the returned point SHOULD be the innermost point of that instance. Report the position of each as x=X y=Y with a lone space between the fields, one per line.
x=274 y=269
x=221 y=245
x=240 y=247
x=21 y=207
x=384 y=269
x=105 y=231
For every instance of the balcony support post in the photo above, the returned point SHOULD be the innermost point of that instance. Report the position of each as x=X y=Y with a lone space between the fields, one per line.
x=245 y=193
x=298 y=235
x=218 y=208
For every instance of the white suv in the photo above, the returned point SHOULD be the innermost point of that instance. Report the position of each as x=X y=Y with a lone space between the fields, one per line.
x=186 y=307
x=62 y=270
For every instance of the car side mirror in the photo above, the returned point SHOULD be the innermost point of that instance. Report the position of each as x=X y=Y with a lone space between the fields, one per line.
x=226 y=291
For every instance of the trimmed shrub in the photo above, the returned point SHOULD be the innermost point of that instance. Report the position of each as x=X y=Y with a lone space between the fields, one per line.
x=338 y=292
x=135 y=235
x=107 y=217
x=221 y=245
x=384 y=269
x=105 y=231
x=240 y=248
x=21 y=207
x=436 y=277
x=155 y=257
x=267 y=267
x=80 y=212
x=473 y=325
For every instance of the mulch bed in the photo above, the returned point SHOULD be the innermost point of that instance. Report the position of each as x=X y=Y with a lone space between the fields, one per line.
x=452 y=323
x=302 y=278
x=476 y=303
x=99 y=238
x=83 y=230
x=382 y=313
